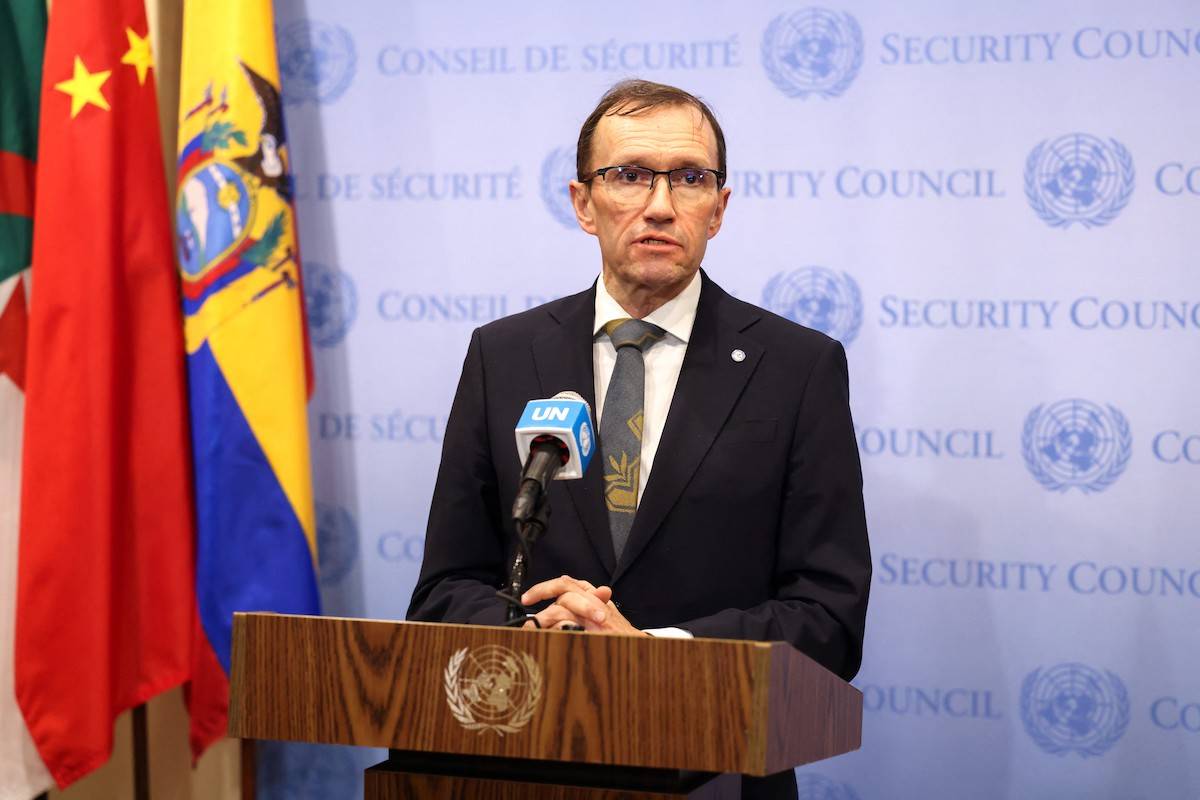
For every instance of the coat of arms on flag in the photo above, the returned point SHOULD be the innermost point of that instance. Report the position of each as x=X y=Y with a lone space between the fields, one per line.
x=232 y=211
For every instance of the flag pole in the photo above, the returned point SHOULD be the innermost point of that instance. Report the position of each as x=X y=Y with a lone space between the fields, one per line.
x=141 y=756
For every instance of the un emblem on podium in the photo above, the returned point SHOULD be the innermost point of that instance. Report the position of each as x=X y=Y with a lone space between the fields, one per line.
x=492 y=688
x=557 y=171
x=817 y=298
x=812 y=51
x=1075 y=443
x=330 y=302
x=1072 y=708
x=1078 y=178
x=316 y=61
x=811 y=786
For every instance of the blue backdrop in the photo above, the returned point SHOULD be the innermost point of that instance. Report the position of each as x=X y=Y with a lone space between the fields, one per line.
x=992 y=205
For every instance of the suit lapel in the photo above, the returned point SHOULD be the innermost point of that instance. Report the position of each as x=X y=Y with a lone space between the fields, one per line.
x=710 y=383
x=563 y=358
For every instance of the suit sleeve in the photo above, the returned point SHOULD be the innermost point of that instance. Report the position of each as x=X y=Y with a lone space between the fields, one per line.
x=823 y=566
x=464 y=561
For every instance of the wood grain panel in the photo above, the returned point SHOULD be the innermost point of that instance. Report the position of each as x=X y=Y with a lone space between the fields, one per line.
x=703 y=704
x=813 y=713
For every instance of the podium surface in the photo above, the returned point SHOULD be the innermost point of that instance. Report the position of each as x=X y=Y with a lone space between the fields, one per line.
x=706 y=705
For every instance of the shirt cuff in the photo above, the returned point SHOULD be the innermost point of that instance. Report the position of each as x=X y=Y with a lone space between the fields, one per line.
x=669 y=633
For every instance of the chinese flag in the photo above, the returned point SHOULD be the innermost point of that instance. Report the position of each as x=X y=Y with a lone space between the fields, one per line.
x=105 y=605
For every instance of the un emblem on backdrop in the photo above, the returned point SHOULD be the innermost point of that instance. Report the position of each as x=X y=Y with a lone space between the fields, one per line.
x=317 y=61
x=817 y=298
x=1072 y=708
x=557 y=171
x=812 y=51
x=810 y=786
x=295 y=769
x=331 y=303
x=1078 y=178
x=337 y=543
x=1075 y=443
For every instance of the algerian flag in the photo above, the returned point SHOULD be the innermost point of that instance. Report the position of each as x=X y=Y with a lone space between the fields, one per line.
x=22 y=40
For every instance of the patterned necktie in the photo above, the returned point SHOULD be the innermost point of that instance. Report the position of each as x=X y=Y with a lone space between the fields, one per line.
x=621 y=423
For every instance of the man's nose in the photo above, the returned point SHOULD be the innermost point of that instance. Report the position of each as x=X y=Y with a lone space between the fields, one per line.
x=661 y=204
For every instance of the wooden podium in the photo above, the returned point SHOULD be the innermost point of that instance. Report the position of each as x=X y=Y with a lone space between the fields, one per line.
x=475 y=712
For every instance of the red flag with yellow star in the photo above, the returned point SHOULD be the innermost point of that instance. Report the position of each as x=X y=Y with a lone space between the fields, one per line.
x=105 y=604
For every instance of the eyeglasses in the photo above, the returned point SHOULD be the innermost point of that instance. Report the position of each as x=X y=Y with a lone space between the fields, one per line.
x=633 y=184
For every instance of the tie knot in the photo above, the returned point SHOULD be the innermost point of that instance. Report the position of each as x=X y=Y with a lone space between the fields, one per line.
x=633 y=333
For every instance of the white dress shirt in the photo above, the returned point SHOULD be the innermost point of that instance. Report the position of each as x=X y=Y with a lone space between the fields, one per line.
x=663 y=362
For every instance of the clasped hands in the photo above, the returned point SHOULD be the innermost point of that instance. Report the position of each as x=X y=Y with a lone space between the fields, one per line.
x=580 y=603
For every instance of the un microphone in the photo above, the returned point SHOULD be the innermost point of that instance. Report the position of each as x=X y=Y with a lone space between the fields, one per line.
x=556 y=441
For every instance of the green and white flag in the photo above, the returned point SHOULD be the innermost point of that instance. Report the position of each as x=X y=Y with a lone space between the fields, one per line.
x=22 y=40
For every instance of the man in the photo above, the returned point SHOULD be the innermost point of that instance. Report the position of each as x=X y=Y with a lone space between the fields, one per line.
x=726 y=497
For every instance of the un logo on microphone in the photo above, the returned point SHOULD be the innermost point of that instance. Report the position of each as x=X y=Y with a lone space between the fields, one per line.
x=812 y=786
x=557 y=171
x=812 y=51
x=330 y=302
x=1072 y=708
x=337 y=543
x=1075 y=443
x=817 y=298
x=316 y=61
x=1078 y=178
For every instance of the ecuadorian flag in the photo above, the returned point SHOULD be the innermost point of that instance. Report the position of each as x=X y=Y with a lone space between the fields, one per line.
x=243 y=323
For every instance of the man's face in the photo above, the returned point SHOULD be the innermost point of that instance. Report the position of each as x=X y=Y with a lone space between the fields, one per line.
x=657 y=241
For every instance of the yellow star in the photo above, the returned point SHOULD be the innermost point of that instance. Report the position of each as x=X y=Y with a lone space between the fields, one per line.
x=84 y=88
x=139 y=55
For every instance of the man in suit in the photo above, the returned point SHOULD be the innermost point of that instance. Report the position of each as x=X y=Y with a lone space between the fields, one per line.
x=738 y=513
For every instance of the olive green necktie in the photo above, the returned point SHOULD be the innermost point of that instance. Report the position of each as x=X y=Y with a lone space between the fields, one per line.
x=621 y=423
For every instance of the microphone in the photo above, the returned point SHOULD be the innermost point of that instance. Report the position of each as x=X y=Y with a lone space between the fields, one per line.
x=556 y=440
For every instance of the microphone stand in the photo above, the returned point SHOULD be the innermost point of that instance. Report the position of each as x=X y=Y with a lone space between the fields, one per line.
x=527 y=535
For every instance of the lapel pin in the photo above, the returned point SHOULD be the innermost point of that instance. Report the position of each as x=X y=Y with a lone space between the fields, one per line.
x=738 y=355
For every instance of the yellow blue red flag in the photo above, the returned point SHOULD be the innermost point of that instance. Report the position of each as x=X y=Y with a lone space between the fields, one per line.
x=244 y=323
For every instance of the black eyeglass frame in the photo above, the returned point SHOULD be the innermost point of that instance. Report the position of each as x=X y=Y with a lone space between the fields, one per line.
x=654 y=173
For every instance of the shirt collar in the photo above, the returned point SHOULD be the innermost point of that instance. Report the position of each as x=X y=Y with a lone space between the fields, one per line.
x=676 y=316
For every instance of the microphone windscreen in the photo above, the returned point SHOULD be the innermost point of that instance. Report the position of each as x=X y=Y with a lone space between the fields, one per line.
x=568 y=418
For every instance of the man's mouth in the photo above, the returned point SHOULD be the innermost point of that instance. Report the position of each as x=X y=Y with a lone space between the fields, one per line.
x=656 y=241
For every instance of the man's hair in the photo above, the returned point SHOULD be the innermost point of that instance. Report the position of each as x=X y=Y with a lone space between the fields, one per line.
x=634 y=97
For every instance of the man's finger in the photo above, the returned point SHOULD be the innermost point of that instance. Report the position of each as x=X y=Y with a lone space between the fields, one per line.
x=551 y=589
x=583 y=604
x=552 y=616
x=603 y=593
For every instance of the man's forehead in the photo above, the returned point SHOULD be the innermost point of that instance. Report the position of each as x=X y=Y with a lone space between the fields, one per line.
x=670 y=127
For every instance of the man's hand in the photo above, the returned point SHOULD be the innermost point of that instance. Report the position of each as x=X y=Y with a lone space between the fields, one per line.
x=580 y=603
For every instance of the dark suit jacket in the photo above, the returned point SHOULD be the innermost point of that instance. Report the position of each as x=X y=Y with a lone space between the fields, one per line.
x=751 y=525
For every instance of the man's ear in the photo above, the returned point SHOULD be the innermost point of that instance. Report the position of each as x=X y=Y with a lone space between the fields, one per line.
x=714 y=224
x=581 y=201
